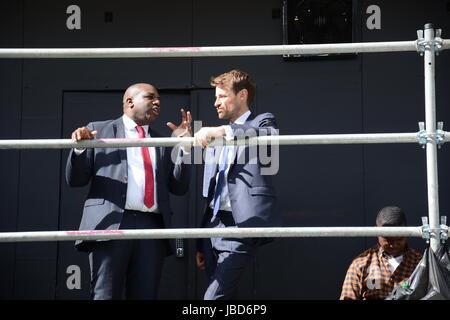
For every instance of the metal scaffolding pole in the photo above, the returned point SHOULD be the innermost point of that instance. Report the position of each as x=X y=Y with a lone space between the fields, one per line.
x=190 y=52
x=409 y=137
x=430 y=49
x=192 y=233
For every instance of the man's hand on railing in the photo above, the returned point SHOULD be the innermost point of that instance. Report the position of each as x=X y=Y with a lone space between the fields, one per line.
x=82 y=134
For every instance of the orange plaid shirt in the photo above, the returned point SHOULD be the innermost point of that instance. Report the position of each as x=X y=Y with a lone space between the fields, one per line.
x=370 y=276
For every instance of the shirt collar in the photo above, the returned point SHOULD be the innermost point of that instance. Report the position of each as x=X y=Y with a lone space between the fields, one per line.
x=131 y=125
x=242 y=118
x=382 y=253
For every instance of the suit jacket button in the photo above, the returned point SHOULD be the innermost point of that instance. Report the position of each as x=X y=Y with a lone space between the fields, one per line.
x=124 y=195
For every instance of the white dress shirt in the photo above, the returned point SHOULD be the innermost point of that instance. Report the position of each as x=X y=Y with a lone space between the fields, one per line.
x=136 y=172
x=225 y=203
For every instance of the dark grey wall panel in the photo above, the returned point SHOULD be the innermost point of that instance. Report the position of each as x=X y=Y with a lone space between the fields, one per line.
x=34 y=276
x=10 y=117
x=236 y=23
x=134 y=23
x=11 y=24
x=10 y=112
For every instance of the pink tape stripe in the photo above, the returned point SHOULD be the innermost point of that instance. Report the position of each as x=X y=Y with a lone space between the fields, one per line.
x=74 y=233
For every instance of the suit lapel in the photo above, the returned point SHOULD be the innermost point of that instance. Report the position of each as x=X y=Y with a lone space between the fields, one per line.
x=238 y=150
x=119 y=129
x=119 y=133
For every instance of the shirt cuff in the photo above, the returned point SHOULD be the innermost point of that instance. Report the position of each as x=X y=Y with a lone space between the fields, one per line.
x=184 y=152
x=78 y=152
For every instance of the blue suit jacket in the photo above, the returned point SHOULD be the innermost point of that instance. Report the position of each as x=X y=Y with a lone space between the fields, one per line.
x=252 y=194
x=106 y=169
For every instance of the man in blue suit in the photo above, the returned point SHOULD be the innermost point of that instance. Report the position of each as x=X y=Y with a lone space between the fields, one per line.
x=238 y=190
x=129 y=190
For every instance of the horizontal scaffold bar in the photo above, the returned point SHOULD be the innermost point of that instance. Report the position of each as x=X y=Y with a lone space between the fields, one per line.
x=288 y=232
x=170 y=142
x=217 y=51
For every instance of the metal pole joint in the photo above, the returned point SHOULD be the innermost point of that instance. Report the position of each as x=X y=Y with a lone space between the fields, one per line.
x=444 y=229
x=426 y=231
x=434 y=44
x=425 y=137
x=440 y=233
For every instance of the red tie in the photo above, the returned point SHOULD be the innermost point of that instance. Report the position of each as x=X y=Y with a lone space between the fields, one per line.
x=149 y=191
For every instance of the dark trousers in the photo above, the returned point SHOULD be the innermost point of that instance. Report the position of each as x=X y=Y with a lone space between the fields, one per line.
x=129 y=269
x=226 y=259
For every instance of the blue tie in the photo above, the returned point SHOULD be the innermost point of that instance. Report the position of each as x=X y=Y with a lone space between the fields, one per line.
x=220 y=180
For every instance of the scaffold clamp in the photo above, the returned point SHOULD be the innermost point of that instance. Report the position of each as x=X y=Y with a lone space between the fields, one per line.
x=440 y=133
x=423 y=45
x=425 y=137
x=444 y=229
x=426 y=231
x=422 y=135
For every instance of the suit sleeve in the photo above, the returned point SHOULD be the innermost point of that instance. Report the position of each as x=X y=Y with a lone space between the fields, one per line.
x=263 y=125
x=180 y=171
x=79 y=168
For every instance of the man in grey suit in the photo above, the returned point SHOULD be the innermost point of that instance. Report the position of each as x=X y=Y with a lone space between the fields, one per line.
x=129 y=190
x=237 y=192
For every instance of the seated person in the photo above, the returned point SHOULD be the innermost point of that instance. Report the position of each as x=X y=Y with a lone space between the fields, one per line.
x=377 y=271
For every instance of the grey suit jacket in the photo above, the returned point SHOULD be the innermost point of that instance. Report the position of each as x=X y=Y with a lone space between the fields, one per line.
x=252 y=194
x=106 y=169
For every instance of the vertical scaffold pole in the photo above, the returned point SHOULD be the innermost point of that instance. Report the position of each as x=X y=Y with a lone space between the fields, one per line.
x=430 y=123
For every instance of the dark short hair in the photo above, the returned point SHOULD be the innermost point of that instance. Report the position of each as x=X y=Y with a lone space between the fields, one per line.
x=391 y=216
x=237 y=80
